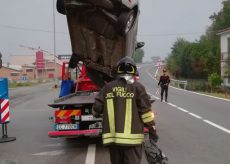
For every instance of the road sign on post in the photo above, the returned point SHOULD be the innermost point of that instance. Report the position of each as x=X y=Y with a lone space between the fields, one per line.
x=4 y=110
x=4 y=101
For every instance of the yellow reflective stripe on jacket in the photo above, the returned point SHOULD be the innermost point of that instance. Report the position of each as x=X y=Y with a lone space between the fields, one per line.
x=123 y=141
x=123 y=135
x=128 y=116
x=148 y=114
x=148 y=117
x=110 y=108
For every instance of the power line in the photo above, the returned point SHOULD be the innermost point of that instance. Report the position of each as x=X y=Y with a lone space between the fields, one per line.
x=65 y=33
x=30 y=29
x=169 y=34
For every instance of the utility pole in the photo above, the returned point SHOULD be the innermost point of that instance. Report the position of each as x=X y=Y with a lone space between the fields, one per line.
x=54 y=45
x=0 y=60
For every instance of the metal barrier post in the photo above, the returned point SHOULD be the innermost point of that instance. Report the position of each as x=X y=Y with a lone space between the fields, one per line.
x=4 y=110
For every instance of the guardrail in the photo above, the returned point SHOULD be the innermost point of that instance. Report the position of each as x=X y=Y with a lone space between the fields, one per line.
x=178 y=83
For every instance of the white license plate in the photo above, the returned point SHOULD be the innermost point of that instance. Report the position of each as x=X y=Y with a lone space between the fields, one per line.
x=89 y=118
x=67 y=126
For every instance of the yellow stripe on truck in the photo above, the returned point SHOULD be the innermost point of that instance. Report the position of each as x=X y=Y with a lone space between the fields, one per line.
x=61 y=113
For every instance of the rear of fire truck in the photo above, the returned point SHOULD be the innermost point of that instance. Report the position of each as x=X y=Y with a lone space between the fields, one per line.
x=73 y=111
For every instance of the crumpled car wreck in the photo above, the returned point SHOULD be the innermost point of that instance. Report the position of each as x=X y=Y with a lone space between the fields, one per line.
x=101 y=33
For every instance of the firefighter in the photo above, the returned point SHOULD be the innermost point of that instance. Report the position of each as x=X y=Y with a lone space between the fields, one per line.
x=164 y=83
x=126 y=110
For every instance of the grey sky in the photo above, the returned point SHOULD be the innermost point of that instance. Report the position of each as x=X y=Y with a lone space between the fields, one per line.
x=161 y=23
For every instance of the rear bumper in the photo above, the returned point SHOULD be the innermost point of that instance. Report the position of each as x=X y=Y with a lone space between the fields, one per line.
x=74 y=133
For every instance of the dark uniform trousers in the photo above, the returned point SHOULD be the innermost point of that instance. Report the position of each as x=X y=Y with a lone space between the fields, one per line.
x=125 y=154
x=164 y=88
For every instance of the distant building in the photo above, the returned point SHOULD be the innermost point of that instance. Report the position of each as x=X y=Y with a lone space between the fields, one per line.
x=225 y=54
x=32 y=67
x=18 y=73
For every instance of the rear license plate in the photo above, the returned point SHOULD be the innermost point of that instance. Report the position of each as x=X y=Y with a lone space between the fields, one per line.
x=67 y=126
x=89 y=118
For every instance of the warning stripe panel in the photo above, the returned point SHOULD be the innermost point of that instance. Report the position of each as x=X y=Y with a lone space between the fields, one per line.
x=4 y=112
x=6 y=117
x=5 y=106
x=67 y=113
x=60 y=113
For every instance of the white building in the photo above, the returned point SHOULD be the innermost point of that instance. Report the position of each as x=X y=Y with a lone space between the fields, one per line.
x=225 y=54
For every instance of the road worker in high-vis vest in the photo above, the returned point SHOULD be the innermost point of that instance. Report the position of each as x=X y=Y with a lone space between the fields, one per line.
x=126 y=110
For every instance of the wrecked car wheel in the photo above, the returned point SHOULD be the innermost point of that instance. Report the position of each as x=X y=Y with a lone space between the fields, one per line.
x=126 y=21
x=61 y=7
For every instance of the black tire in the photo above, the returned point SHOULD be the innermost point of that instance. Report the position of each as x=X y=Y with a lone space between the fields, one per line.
x=125 y=22
x=153 y=153
x=61 y=7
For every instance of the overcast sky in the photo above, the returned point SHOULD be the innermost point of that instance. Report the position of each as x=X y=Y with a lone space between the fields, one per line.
x=30 y=23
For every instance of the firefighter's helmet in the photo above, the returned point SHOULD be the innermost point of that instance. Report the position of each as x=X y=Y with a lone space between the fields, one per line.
x=126 y=66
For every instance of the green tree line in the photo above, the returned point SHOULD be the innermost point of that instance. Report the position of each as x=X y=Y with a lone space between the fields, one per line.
x=201 y=58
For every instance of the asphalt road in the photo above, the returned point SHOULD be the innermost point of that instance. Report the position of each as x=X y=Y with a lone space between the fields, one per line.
x=193 y=129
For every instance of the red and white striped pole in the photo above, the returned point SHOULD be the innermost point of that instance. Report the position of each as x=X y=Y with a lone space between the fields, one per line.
x=4 y=110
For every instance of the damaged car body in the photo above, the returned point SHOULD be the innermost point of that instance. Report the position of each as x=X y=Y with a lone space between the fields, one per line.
x=101 y=33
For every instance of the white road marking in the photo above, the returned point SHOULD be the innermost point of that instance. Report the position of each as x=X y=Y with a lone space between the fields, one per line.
x=173 y=105
x=90 y=157
x=217 y=126
x=51 y=153
x=182 y=109
x=153 y=96
x=194 y=115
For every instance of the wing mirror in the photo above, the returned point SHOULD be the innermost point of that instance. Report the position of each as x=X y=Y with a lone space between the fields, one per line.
x=139 y=45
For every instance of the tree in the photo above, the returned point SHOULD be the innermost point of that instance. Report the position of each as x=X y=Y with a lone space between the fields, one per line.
x=200 y=58
x=138 y=55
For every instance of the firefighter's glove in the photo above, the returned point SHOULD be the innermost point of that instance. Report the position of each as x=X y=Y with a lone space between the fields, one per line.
x=153 y=134
x=154 y=137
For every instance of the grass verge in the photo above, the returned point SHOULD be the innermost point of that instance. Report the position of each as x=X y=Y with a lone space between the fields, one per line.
x=221 y=95
x=24 y=84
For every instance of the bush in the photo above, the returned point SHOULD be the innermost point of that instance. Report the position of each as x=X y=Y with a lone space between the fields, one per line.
x=197 y=85
x=214 y=81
